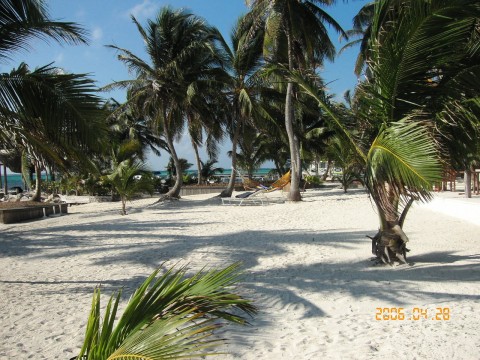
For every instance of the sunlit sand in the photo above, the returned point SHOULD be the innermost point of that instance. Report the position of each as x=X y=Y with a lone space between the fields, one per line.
x=307 y=266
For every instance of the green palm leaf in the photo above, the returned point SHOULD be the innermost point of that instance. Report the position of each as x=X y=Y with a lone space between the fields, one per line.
x=405 y=157
x=22 y=20
x=168 y=317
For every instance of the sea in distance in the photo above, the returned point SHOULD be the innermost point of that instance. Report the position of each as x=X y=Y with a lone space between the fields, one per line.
x=16 y=179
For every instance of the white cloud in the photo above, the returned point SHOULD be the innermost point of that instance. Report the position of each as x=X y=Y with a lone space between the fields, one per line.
x=144 y=10
x=97 y=33
x=59 y=58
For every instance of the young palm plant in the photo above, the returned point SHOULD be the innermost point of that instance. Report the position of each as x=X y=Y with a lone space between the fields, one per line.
x=169 y=316
x=130 y=178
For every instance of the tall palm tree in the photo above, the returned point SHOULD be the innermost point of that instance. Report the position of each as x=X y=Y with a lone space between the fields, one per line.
x=244 y=88
x=420 y=54
x=182 y=53
x=296 y=36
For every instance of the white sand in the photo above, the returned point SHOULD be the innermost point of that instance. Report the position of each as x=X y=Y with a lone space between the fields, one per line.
x=307 y=267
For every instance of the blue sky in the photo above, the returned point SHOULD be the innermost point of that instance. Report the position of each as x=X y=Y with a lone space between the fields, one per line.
x=108 y=22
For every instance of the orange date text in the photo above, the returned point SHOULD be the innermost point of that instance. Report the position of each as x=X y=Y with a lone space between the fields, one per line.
x=416 y=313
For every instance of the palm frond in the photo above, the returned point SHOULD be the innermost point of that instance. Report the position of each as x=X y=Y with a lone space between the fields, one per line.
x=26 y=19
x=168 y=316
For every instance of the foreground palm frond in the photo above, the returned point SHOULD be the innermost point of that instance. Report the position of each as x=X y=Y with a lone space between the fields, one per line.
x=23 y=20
x=169 y=317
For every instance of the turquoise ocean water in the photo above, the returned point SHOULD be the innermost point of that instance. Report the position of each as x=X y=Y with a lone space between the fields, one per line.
x=16 y=179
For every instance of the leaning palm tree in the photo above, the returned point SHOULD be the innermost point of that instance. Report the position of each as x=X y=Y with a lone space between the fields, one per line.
x=182 y=53
x=407 y=88
x=169 y=316
x=296 y=36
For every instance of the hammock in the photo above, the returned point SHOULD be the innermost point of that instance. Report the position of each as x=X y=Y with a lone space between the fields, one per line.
x=249 y=184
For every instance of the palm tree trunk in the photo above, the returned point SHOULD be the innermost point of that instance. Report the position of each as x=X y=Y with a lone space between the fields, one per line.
x=327 y=170
x=390 y=242
x=231 y=183
x=197 y=158
x=175 y=190
x=124 y=212
x=468 y=182
x=294 y=194
x=38 y=182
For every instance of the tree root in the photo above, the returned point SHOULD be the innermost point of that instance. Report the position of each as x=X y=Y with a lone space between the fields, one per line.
x=390 y=246
x=164 y=198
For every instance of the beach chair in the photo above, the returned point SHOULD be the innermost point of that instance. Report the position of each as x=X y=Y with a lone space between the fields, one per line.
x=247 y=198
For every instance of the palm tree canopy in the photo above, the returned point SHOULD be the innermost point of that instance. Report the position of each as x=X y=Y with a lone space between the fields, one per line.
x=304 y=19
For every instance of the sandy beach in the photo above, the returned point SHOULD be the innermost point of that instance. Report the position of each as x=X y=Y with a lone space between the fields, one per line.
x=307 y=267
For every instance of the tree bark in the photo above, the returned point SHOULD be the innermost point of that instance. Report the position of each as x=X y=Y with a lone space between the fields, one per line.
x=37 y=196
x=231 y=183
x=468 y=183
x=175 y=190
x=197 y=158
x=327 y=170
x=124 y=212
x=294 y=194
x=390 y=242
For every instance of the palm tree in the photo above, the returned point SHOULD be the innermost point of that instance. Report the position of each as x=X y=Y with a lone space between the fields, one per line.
x=295 y=36
x=21 y=21
x=126 y=126
x=252 y=155
x=182 y=52
x=53 y=116
x=244 y=88
x=172 y=168
x=57 y=120
x=419 y=54
x=168 y=317
x=130 y=178
x=209 y=170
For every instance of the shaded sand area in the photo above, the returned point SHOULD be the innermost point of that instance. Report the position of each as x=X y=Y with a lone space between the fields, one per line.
x=307 y=267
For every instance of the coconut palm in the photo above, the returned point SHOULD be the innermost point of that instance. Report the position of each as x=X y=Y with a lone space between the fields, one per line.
x=53 y=116
x=59 y=118
x=182 y=53
x=418 y=51
x=169 y=316
x=126 y=126
x=296 y=36
x=251 y=155
x=209 y=169
x=244 y=62
x=130 y=178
